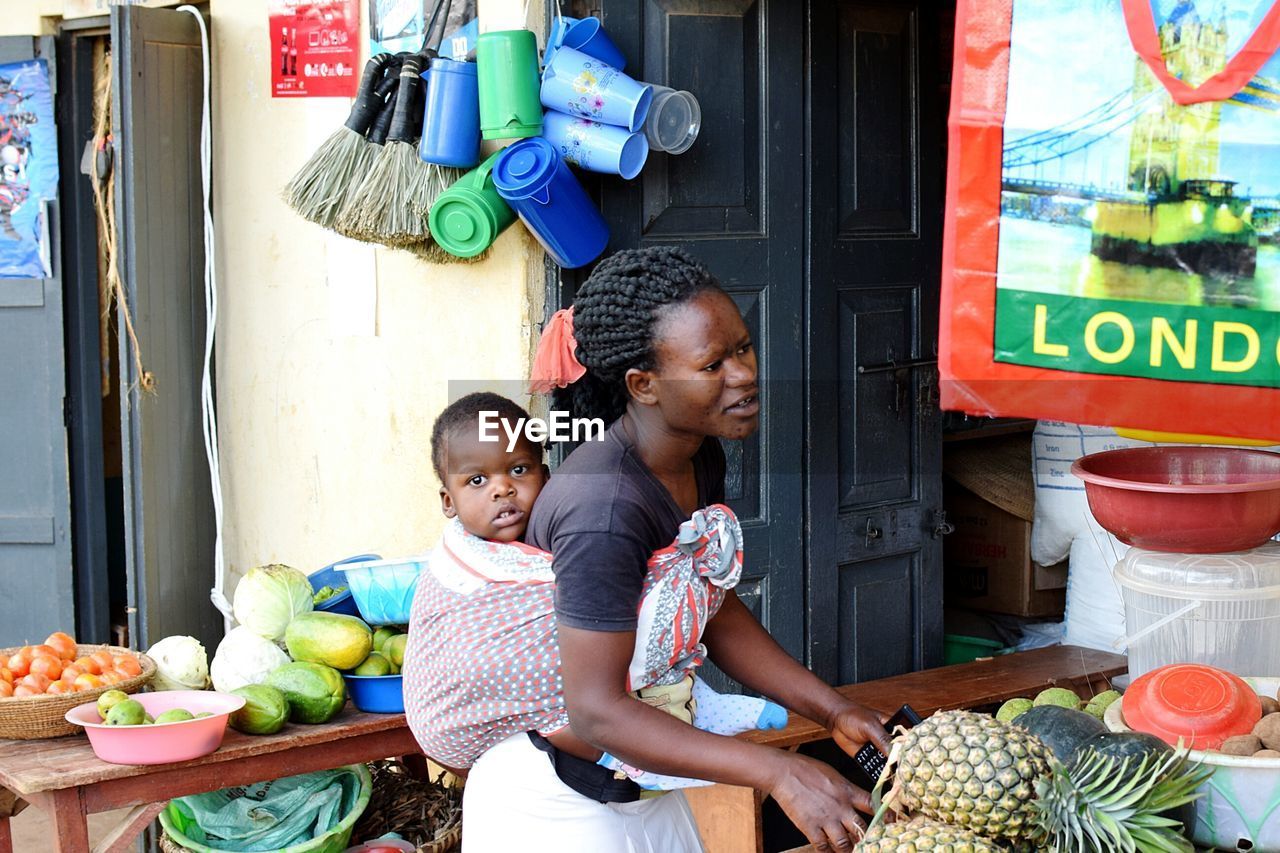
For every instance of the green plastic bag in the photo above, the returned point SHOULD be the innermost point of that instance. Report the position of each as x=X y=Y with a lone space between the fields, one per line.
x=271 y=815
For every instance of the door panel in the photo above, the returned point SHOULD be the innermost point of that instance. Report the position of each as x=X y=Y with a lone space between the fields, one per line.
x=873 y=484
x=169 y=520
x=35 y=498
x=735 y=201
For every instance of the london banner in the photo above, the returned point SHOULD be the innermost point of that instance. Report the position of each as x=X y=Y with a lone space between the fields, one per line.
x=1112 y=250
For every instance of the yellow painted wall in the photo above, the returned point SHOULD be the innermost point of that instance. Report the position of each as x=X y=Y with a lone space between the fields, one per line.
x=324 y=420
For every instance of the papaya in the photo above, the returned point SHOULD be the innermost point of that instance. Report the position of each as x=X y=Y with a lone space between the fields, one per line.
x=315 y=692
x=332 y=639
x=265 y=710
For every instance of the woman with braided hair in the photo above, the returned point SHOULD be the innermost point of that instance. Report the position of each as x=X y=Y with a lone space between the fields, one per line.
x=655 y=348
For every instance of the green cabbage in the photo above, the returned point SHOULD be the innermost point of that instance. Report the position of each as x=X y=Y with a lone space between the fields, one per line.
x=244 y=658
x=268 y=598
x=181 y=664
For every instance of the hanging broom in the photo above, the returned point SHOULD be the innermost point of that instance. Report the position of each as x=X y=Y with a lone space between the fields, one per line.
x=381 y=209
x=316 y=192
x=377 y=140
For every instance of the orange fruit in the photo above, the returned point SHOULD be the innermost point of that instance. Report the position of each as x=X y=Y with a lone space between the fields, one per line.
x=18 y=665
x=42 y=649
x=88 y=665
x=38 y=683
x=104 y=659
x=64 y=644
x=23 y=690
x=6 y=675
x=49 y=667
x=128 y=666
x=6 y=690
x=87 y=681
x=57 y=688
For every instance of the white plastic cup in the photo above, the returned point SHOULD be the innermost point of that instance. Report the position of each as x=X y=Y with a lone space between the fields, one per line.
x=594 y=146
x=582 y=85
x=674 y=120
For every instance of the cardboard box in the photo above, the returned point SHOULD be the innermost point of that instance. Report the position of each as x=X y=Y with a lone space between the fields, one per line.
x=988 y=562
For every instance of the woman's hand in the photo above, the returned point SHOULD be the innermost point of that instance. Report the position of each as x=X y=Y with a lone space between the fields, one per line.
x=821 y=803
x=853 y=725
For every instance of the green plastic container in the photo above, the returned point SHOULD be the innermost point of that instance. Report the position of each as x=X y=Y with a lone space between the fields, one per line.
x=469 y=216
x=333 y=841
x=961 y=649
x=510 y=85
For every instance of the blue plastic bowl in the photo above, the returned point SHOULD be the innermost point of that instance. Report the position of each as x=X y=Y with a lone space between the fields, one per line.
x=384 y=589
x=343 y=602
x=376 y=694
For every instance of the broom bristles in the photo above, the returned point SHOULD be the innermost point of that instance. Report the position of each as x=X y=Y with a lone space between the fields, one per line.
x=318 y=189
x=379 y=210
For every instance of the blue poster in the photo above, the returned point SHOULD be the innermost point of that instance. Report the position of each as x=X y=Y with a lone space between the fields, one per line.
x=28 y=167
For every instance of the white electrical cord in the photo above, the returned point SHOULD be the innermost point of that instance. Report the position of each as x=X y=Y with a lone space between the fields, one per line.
x=209 y=418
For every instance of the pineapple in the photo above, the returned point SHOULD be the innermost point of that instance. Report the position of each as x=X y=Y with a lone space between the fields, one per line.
x=998 y=780
x=921 y=835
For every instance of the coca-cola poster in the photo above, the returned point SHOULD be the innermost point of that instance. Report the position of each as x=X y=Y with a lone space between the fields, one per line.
x=315 y=48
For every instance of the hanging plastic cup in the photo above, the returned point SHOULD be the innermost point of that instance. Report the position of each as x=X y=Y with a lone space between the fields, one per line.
x=533 y=179
x=674 y=120
x=507 y=72
x=451 y=115
x=469 y=216
x=587 y=35
x=594 y=146
x=584 y=86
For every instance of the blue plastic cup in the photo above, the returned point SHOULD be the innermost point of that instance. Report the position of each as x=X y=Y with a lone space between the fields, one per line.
x=584 y=86
x=594 y=146
x=538 y=185
x=451 y=115
x=587 y=35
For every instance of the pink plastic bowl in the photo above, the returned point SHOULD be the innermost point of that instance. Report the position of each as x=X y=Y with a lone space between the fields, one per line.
x=165 y=742
x=1192 y=500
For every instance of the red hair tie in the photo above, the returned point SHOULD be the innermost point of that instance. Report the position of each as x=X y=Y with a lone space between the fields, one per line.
x=554 y=364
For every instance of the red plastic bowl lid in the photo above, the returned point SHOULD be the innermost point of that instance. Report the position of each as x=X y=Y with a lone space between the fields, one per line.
x=1199 y=704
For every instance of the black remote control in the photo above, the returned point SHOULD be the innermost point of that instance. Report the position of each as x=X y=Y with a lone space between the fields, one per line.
x=870 y=760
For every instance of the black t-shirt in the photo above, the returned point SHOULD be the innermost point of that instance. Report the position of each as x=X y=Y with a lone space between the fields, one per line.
x=602 y=515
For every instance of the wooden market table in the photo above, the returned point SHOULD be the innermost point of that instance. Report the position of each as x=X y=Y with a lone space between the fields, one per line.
x=66 y=780
x=62 y=776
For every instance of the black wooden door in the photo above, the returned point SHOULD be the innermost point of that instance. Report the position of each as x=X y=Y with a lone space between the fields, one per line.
x=874 y=452
x=812 y=193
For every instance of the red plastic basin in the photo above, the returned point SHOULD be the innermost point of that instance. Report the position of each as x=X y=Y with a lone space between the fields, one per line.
x=1194 y=500
x=1197 y=705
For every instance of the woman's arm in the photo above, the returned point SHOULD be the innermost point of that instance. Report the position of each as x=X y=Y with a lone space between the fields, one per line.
x=818 y=800
x=741 y=647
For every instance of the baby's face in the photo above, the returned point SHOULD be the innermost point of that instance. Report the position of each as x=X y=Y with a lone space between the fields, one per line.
x=488 y=488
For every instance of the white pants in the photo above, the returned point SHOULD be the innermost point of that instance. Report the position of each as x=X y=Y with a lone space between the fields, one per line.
x=513 y=800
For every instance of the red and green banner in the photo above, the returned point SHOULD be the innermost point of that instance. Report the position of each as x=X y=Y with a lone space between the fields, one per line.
x=1112 y=245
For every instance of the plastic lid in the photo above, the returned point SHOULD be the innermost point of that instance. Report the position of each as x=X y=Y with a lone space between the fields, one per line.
x=1199 y=704
x=673 y=121
x=525 y=168
x=1242 y=575
x=462 y=224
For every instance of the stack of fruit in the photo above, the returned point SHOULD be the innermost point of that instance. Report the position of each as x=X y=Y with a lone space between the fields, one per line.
x=117 y=709
x=57 y=667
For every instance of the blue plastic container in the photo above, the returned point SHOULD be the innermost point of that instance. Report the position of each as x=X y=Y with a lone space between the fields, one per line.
x=540 y=188
x=451 y=115
x=384 y=589
x=343 y=602
x=376 y=694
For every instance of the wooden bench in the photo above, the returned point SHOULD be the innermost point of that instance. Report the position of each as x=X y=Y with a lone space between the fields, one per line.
x=729 y=817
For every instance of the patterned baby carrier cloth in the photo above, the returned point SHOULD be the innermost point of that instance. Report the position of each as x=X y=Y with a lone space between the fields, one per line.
x=483 y=663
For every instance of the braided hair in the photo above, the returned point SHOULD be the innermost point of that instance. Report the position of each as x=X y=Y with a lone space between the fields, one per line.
x=614 y=315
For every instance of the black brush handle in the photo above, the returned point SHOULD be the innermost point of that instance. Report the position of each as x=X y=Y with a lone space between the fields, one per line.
x=382 y=124
x=402 y=122
x=365 y=109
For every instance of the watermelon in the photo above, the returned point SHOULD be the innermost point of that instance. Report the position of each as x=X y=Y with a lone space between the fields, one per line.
x=1061 y=729
x=1122 y=745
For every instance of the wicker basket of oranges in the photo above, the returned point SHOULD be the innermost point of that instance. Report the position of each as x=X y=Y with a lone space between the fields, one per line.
x=39 y=684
